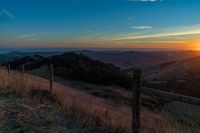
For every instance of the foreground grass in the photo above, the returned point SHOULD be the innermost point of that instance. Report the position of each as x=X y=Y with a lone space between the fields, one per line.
x=92 y=113
x=34 y=114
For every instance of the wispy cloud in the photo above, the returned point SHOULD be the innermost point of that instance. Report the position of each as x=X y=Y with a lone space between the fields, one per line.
x=130 y=18
x=141 y=27
x=159 y=35
x=88 y=31
x=93 y=36
x=7 y=13
x=41 y=35
x=30 y=37
x=176 y=33
x=27 y=36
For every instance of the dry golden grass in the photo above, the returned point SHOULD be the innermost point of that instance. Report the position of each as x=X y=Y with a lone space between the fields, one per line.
x=117 y=117
x=38 y=114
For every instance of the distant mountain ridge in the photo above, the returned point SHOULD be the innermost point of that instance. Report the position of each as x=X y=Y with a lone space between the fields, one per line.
x=128 y=59
x=13 y=55
x=122 y=59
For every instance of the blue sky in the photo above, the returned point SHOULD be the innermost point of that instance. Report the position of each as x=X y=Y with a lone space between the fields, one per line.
x=100 y=23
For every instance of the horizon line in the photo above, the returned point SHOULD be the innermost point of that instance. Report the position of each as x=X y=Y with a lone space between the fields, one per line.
x=94 y=48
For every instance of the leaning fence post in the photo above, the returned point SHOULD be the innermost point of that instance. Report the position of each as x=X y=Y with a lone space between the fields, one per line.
x=22 y=89
x=51 y=78
x=8 y=69
x=136 y=84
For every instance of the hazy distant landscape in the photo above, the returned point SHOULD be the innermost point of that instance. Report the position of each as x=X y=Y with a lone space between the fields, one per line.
x=166 y=69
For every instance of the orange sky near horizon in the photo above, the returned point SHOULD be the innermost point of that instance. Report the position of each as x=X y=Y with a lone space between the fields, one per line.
x=193 y=45
x=190 y=45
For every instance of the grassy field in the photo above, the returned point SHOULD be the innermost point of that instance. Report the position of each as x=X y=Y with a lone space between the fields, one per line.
x=36 y=114
x=98 y=111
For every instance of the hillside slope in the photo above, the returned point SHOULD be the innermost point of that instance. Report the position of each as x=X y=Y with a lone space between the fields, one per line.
x=128 y=59
x=116 y=116
x=72 y=66
x=184 y=69
x=180 y=77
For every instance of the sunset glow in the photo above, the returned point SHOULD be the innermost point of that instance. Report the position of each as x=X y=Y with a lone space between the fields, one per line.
x=100 y=24
x=196 y=45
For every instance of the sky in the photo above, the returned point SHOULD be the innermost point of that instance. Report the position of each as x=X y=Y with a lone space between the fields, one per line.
x=141 y=24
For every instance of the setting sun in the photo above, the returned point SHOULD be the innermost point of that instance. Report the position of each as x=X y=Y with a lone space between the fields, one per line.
x=195 y=45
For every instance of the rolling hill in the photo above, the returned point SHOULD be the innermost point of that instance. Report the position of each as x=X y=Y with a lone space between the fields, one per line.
x=180 y=77
x=72 y=66
x=128 y=59
x=122 y=59
x=184 y=69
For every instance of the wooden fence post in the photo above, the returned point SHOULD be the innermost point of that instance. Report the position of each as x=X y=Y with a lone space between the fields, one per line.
x=22 y=89
x=51 y=77
x=136 y=84
x=8 y=69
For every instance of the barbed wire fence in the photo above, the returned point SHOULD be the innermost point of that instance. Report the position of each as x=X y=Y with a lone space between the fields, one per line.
x=167 y=112
x=170 y=115
x=152 y=111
